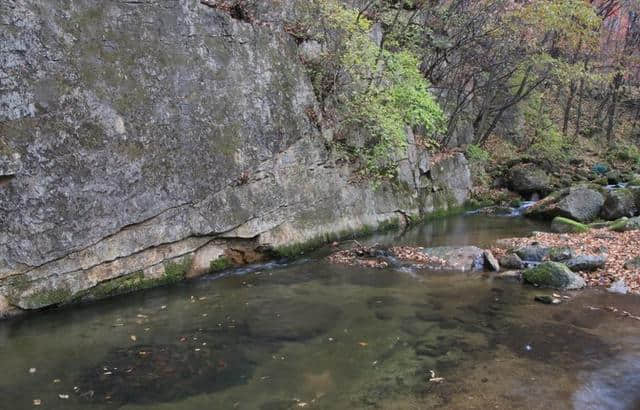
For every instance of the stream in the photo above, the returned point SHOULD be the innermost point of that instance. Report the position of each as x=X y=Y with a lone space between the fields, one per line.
x=308 y=334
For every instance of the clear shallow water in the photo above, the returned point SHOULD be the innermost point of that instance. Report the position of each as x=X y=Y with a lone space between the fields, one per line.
x=314 y=335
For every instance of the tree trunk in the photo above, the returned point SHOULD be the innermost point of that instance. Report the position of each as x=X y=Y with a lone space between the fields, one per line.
x=567 y=108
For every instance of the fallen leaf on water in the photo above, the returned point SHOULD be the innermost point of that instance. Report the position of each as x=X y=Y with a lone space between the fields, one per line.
x=363 y=344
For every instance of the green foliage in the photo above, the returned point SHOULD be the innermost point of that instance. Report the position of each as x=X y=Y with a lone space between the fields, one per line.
x=379 y=91
x=626 y=153
x=573 y=22
x=546 y=141
x=475 y=153
x=219 y=264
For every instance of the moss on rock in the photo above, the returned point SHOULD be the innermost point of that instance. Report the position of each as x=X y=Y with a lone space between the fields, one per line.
x=219 y=264
x=566 y=225
x=49 y=297
x=174 y=271
x=553 y=275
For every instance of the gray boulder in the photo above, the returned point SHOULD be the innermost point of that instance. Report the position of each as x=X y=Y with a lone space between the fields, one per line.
x=633 y=264
x=491 y=262
x=553 y=275
x=533 y=253
x=619 y=287
x=527 y=179
x=560 y=254
x=511 y=261
x=618 y=203
x=579 y=203
x=586 y=263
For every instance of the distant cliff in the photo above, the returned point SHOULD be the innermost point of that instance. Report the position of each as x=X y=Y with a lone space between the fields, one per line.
x=145 y=141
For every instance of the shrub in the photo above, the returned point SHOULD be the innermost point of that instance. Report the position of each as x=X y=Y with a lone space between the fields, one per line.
x=374 y=91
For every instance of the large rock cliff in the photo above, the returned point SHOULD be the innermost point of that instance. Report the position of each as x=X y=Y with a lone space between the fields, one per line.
x=144 y=141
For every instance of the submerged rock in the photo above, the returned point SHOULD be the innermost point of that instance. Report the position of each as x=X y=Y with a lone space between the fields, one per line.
x=509 y=275
x=291 y=320
x=553 y=275
x=147 y=374
x=547 y=300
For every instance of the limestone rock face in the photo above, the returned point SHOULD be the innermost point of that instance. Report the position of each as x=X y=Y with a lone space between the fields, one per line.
x=141 y=139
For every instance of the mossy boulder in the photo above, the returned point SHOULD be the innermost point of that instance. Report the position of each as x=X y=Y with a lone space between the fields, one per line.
x=618 y=203
x=553 y=275
x=626 y=224
x=566 y=225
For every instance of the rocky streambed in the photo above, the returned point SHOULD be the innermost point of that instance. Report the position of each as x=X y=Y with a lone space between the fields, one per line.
x=317 y=334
